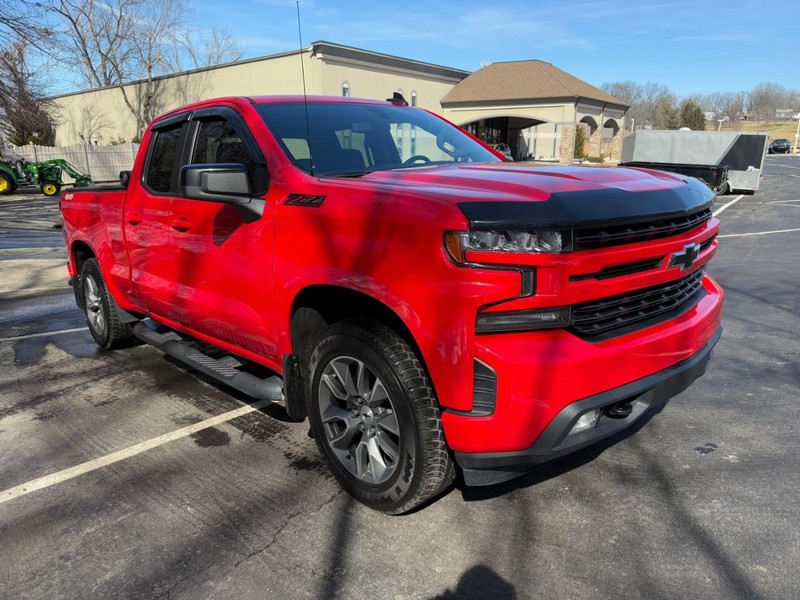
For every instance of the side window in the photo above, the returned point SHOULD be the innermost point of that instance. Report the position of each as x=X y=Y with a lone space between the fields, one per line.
x=162 y=159
x=218 y=142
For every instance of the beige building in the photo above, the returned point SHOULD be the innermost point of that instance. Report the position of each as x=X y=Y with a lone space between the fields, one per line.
x=531 y=105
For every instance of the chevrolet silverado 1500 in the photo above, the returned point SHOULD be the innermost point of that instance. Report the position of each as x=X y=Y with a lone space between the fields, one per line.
x=427 y=305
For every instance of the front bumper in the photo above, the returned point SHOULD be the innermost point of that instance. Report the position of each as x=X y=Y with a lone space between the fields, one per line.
x=655 y=390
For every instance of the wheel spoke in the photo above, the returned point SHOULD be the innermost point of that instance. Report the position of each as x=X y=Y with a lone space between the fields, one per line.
x=386 y=443
x=335 y=387
x=369 y=463
x=340 y=437
x=361 y=456
x=388 y=422
x=362 y=380
x=377 y=465
x=378 y=395
x=342 y=369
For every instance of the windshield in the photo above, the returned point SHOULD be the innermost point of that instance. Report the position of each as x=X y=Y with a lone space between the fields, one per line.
x=350 y=139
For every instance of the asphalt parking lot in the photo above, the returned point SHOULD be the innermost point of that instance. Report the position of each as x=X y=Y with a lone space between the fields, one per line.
x=101 y=498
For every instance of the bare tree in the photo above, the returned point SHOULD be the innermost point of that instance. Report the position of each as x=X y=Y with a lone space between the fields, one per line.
x=766 y=99
x=652 y=105
x=93 y=121
x=20 y=24
x=24 y=111
x=215 y=46
x=118 y=41
x=732 y=106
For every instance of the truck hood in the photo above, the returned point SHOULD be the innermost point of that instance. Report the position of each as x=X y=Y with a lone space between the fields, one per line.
x=493 y=195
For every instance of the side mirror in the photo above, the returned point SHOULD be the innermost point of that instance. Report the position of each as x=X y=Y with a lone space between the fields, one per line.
x=124 y=178
x=219 y=182
x=215 y=182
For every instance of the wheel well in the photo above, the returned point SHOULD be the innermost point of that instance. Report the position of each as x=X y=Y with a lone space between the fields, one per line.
x=81 y=251
x=319 y=306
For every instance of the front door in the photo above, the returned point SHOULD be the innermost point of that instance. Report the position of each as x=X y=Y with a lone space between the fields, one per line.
x=223 y=256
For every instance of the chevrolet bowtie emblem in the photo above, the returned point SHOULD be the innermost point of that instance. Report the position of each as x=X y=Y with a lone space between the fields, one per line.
x=686 y=257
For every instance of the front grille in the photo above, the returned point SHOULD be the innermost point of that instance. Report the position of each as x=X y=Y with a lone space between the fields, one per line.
x=620 y=270
x=654 y=304
x=602 y=237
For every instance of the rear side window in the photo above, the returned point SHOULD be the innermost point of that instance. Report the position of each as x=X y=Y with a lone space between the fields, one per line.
x=162 y=159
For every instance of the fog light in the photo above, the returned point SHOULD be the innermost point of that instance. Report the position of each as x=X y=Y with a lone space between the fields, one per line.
x=587 y=421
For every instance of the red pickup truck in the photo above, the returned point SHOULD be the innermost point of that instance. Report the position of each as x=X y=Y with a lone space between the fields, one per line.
x=427 y=305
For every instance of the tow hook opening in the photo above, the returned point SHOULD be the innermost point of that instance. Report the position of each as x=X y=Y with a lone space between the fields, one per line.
x=620 y=410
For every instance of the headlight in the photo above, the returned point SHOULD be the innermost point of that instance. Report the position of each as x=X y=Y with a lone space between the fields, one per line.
x=459 y=242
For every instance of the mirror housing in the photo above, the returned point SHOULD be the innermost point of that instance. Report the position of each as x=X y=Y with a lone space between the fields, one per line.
x=219 y=182
x=124 y=178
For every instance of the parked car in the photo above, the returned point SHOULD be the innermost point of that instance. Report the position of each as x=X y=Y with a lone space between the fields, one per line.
x=503 y=148
x=780 y=146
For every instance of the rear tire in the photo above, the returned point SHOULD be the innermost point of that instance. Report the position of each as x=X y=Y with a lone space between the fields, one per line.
x=375 y=417
x=101 y=315
x=7 y=184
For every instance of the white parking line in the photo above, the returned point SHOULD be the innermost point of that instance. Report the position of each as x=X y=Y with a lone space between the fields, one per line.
x=730 y=235
x=45 y=334
x=724 y=206
x=783 y=201
x=103 y=461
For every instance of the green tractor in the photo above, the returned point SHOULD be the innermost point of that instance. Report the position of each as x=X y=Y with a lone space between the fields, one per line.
x=46 y=174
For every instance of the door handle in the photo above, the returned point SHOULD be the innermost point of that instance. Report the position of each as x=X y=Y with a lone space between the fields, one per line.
x=181 y=224
x=134 y=218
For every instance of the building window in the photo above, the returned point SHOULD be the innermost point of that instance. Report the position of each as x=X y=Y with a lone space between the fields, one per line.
x=413 y=98
x=345 y=89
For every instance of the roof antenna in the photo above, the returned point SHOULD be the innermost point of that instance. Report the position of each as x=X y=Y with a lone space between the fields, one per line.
x=305 y=94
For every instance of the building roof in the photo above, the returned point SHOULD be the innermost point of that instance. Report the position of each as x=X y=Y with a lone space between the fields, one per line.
x=349 y=54
x=523 y=80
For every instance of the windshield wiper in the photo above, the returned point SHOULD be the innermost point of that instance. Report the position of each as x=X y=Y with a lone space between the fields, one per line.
x=337 y=174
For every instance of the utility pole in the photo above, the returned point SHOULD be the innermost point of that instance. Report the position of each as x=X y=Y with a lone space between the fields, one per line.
x=797 y=133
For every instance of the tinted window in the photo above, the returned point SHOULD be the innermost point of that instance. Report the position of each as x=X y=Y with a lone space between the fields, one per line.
x=354 y=138
x=162 y=159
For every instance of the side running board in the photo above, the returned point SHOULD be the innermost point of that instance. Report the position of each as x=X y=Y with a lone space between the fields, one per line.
x=262 y=389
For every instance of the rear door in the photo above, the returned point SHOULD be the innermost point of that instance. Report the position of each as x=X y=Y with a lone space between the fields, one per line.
x=148 y=218
x=223 y=256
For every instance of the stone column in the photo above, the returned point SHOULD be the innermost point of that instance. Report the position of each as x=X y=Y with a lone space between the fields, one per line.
x=566 y=148
x=596 y=141
x=616 y=145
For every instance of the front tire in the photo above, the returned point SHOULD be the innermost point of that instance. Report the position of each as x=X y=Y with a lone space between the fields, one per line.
x=50 y=188
x=101 y=316
x=375 y=417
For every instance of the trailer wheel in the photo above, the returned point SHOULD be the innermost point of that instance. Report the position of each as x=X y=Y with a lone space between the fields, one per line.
x=7 y=184
x=375 y=417
x=107 y=330
x=50 y=188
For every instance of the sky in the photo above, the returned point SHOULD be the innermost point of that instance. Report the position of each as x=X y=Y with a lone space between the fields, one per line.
x=697 y=46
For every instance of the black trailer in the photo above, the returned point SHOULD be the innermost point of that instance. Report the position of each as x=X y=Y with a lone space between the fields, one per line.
x=742 y=154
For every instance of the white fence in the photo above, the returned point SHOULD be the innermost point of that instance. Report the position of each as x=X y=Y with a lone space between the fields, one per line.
x=101 y=163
